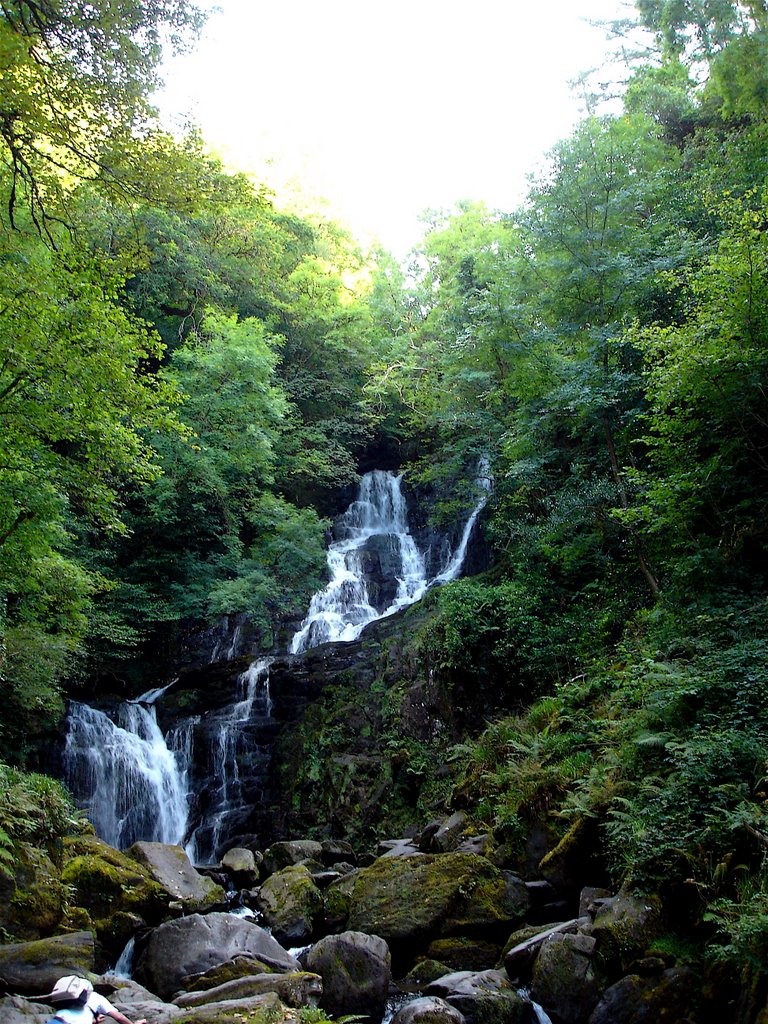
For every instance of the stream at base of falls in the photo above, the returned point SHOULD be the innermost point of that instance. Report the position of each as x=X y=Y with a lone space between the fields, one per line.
x=137 y=784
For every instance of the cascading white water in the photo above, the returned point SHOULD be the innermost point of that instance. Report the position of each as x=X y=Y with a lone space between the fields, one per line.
x=485 y=482
x=129 y=781
x=343 y=608
x=134 y=782
x=228 y=798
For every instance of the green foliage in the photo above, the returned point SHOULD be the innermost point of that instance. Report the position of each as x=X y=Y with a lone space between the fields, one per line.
x=35 y=811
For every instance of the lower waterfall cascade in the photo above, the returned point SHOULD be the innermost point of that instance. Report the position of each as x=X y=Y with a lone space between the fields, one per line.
x=137 y=784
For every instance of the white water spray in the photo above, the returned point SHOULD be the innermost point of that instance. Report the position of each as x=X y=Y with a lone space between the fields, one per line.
x=130 y=782
x=344 y=608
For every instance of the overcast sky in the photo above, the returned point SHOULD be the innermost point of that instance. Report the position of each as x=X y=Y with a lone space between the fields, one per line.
x=387 y=108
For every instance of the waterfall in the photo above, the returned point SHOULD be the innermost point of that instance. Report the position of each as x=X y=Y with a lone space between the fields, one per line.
x=130 y=783
x=210 y=773
x=485 y=482
x=228 y=797
x=344 y=607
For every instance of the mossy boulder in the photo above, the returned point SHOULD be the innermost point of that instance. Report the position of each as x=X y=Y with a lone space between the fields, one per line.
x=192 y=945
x=410 y=901
x=483 y=997
x=33 y=902
x=425 y=971
x=300 y=988
x=290 y=852
x=671 y=996
x=428 y=1010
x=31 y=968
x=463 y=953
x=238 y=967
x=17 y=1010
x=336 y=899
x=107 y=883
x=624 y=927
x=290 y=903
x=356 y=970
x=170 y=867
x=564 y=977
x=261 y=1009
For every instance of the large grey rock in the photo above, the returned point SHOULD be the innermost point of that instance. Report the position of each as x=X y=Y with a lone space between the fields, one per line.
x=137 y=1002
x=356 y=971
x=290 y=903
x=32 y=968
x=240 y=864
x=301 y=989
x=564 y=979
x=294 y=851
x=195 y=944
x=483 y=996
x=446 y=836
x=428 y=1010
x=171 y=868
x=18 y=1010
x=671 y=996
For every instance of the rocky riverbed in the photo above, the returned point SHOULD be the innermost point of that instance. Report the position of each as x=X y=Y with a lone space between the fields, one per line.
x=434 y=923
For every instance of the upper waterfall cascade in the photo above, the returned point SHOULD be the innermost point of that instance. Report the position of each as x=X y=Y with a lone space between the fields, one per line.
x=343 y=608
x=137 y=784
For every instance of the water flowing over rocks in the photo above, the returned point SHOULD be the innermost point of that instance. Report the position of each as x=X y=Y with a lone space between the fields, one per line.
x=190 y=763
x=417 y=916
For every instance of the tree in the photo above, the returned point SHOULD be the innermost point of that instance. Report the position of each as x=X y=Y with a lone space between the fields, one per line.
x=74 y=94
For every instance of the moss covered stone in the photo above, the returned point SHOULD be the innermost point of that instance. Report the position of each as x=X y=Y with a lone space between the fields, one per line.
x=290 y=903
x=232 y=970
x=33 y=903
x=421 y=898
x=107 y=882
x=463 y=953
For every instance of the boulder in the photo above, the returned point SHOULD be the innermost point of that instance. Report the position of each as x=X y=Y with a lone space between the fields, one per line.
x=335 y=851
x=462 y=953
x=668 y=997
x=108 y=883
x=575 y=858
x=195 y=944
x=624 y=927
x=336 y=902
x=399 y=848
x=290 y=903
x=564 y=979
x=266 y=1007
x=356 y=972
x=426 y=970
x=446 y=836
x=237 y=967
x=240 y=864
x=414 y=900
x=284 y=854
x=17 y=1010
x=136 y=1002
x=428 y=1010
x=33 y=898
x=32 y=968
x=483 y=996
x=172 y=869
x=300 y=989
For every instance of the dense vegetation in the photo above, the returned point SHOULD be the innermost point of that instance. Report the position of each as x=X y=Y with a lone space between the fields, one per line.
x=190 y=377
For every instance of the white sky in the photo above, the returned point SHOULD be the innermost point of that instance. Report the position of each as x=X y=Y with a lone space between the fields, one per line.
x=388 y=108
